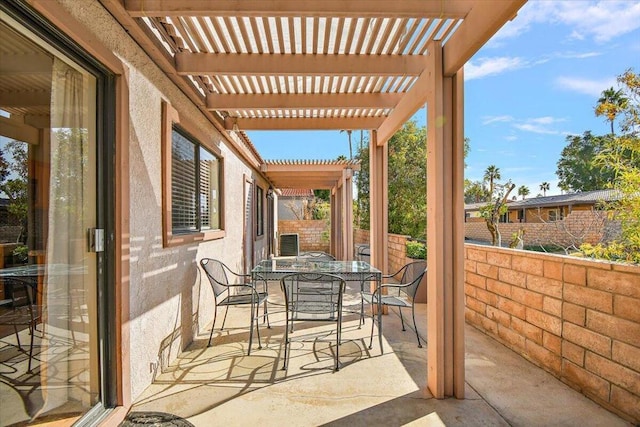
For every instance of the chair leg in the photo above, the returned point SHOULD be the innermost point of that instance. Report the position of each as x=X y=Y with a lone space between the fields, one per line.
x=401 y=318
x=251 y=331
x=258 y=326
x=15 y=328
x=213 y=326
x=266 y=315
x=286 y=342
x=226 y=310
x=31 y=351
x=373 y=321
x=413 y=313
x=338 y=338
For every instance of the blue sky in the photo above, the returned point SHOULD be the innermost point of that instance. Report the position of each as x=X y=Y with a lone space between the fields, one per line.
x=536 y=82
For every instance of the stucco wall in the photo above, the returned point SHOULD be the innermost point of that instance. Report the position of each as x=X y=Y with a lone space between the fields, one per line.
x=578 y=319
x=313 y=235
x=168 y=301
x=579 y=226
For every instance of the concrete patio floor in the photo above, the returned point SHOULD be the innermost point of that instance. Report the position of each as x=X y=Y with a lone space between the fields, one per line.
x=221 y=385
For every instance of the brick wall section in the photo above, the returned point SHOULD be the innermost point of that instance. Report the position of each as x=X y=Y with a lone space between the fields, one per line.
x=360 y=236
x=313 y=234
x=578 y=319
x=584 y=226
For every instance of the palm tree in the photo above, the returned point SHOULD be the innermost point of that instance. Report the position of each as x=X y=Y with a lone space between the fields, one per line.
x=610 y=104
x=491 y=174
x=544 y=187
x=349 y=136
x=523 y=191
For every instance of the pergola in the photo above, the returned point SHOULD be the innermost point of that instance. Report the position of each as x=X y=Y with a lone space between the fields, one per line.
x=341 y=64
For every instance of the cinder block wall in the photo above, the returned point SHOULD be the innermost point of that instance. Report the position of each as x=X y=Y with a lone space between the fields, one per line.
x=314 y=235
x=360 y=236
x=578 y=319
x=578 y=226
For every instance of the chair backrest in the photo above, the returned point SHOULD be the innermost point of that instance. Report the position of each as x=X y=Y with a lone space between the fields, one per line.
x=317 y=256
x=22 y=297
x=316 y=295
x=216 y=272
x=412 y=276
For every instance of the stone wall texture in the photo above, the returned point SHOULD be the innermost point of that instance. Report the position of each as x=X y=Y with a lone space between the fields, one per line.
x=578 y=319
x=578 y=227
x=313 y=235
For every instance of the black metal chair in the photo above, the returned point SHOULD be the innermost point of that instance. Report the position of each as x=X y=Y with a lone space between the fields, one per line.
x=400 y=294
x=19 y=310
x=312 y=297
x=228 y=293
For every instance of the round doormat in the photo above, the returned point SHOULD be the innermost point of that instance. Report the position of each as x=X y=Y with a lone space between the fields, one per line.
x=154 y=419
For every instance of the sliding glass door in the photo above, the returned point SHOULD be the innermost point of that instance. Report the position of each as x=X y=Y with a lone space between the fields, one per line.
x=51 y=240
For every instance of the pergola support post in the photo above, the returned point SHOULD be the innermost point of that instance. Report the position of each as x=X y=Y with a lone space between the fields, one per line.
x=378 y=202
x=445 y=221
x=347 y=216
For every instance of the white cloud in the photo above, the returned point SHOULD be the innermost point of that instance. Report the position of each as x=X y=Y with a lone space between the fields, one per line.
x=491 y=66
x=531 y=127
x=600 y=20
x=496 y=119
x=585 y=86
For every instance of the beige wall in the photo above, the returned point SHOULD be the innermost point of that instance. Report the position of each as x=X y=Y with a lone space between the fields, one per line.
x=313 y=235
x=578 y=319
x=169 y=304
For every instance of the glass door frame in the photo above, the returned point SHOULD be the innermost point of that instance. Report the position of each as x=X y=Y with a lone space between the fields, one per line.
x=20 y=12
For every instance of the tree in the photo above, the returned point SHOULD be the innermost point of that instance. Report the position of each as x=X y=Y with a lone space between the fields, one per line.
x=407 y=178
x=544 y=187
x=497 y=207
x=348 y=131
x=622 y=155
x=492 y=174
x=475 y=192
x=523 y=191
x=611 y=104
x=577 y=168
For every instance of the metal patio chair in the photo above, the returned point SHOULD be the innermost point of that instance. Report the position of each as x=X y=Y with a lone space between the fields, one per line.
x=312 y=297
x=19 y=310
x=401 y=294
x=228 y=293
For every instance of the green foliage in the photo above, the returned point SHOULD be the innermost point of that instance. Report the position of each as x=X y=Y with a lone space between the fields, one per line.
x=615 y=251
x=362 y=216
x=324 y=195
x=475 y=192
x=408 y=181
x=621 y=154
x=523 y=191
x=21 y=254
x=577 y=170
x=321 y=210
x=416 y=250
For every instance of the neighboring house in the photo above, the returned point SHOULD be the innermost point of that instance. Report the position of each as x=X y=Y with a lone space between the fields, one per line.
x=293 y=202
x=546 y=209
x=565 y=220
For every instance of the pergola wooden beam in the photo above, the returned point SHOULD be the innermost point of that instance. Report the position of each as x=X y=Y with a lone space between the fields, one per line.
x=23 y=99
x=319 y=8
x=217 y=101
x=303 y=123
x=297 y=64
x=478 y=27
x=410 y=103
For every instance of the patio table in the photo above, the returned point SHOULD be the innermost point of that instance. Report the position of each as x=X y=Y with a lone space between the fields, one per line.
x=349 y=271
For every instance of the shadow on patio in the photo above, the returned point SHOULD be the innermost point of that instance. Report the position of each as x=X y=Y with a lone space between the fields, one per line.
x=221 y=385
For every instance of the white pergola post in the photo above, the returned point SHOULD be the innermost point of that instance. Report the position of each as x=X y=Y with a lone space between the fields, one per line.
x=445 y=236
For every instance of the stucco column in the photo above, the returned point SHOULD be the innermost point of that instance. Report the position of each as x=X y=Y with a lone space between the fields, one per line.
x=378 y=203
x=445 y=230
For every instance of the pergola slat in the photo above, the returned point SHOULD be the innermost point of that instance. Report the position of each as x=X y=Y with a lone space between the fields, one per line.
x=304 y=123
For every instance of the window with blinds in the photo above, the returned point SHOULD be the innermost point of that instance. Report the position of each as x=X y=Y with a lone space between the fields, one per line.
x=194 y=185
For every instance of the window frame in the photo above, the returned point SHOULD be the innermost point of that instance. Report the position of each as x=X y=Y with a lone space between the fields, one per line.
x=259 y=211
x=171 y=119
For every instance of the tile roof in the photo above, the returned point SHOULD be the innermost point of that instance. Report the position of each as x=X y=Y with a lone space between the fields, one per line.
x=585 y=197
x=296 y=192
